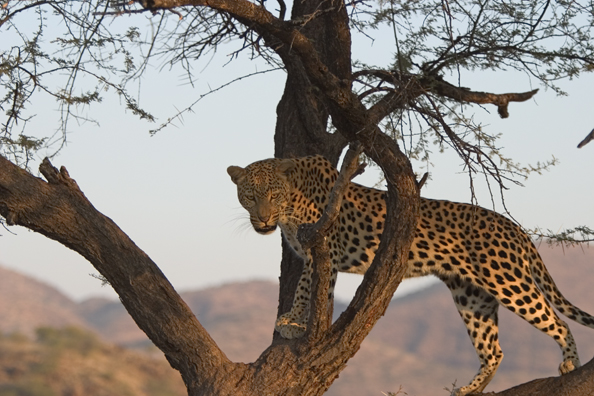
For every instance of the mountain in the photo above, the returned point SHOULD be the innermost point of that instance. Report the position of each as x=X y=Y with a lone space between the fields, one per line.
x=420 y=346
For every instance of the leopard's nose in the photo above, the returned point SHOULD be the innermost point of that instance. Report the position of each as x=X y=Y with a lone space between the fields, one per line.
x=264 y=218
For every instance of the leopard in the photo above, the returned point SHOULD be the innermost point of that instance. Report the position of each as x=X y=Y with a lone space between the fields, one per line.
x=484 y=258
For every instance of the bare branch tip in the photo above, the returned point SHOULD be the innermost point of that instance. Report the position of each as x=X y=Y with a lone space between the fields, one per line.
x=503 y=112
x=359 y=171
x=48 y=171
x=356 y=146
x=522 y=97
x=64 y=173
x=53 y=176
x=421 y=182
x=587 y=139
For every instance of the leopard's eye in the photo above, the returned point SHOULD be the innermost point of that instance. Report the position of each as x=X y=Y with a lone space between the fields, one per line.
x=274 y=195
x=248 y=198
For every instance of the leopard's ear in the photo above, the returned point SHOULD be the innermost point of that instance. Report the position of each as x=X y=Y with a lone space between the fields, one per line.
x=285 y=167
x=237 y=173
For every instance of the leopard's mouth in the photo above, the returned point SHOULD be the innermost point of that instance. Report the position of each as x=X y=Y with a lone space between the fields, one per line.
x=265 y=229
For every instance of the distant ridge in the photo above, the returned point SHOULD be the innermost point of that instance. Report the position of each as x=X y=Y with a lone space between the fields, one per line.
x=26 y=304
x=420 y=344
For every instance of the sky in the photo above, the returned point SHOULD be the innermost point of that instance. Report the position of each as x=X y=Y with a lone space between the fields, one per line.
x=171 y=194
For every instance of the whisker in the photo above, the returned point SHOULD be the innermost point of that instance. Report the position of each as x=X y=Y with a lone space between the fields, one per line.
x=241 y=222
x=243 y=229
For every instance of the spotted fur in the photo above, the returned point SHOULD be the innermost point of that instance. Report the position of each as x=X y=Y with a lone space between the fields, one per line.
x=485 y=259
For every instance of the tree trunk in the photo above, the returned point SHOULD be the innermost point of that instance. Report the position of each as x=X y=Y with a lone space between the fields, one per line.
x=302 y=119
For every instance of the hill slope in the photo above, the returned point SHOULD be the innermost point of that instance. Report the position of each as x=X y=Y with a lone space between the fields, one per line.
x=74 y=362
x=26 y=304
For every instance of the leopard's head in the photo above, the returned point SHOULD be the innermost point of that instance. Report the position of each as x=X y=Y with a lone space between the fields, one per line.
x=264 y=190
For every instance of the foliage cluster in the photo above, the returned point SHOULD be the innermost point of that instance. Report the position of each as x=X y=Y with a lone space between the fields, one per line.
x=62 y=53
x=96 y=51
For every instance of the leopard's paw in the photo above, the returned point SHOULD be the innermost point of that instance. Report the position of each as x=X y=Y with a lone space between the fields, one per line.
x=289 y=327
x=568 y=366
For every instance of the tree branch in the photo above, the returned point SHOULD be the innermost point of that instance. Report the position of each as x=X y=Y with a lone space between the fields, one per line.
x=578 y=382
x=502 y=101
x=397 y=99
x=59 y=210
x=407 y=87
x=313 y=236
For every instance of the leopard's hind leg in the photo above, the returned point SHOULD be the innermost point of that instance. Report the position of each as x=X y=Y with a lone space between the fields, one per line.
x=478 y=310
x=533 y=307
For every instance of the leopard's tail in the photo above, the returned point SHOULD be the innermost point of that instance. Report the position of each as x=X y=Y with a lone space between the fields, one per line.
x=547 y=286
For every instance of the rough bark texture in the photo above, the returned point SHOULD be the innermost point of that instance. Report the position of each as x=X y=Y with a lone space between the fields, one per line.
x=577 y=383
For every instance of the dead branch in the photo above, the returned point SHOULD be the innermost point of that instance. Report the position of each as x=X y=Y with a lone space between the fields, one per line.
x=443 y=88
x=421 y=182
x=407 y=87
x=313 y=236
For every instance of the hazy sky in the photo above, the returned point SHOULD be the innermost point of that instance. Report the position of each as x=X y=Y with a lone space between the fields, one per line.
x=171 y=194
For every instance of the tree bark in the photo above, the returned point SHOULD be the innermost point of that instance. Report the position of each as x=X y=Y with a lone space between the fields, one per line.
x=579 y=382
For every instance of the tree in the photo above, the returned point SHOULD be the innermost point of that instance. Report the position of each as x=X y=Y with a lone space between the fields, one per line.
x=370 y=106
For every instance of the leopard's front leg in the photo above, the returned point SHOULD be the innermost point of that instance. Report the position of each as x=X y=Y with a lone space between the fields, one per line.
x=294 y=323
